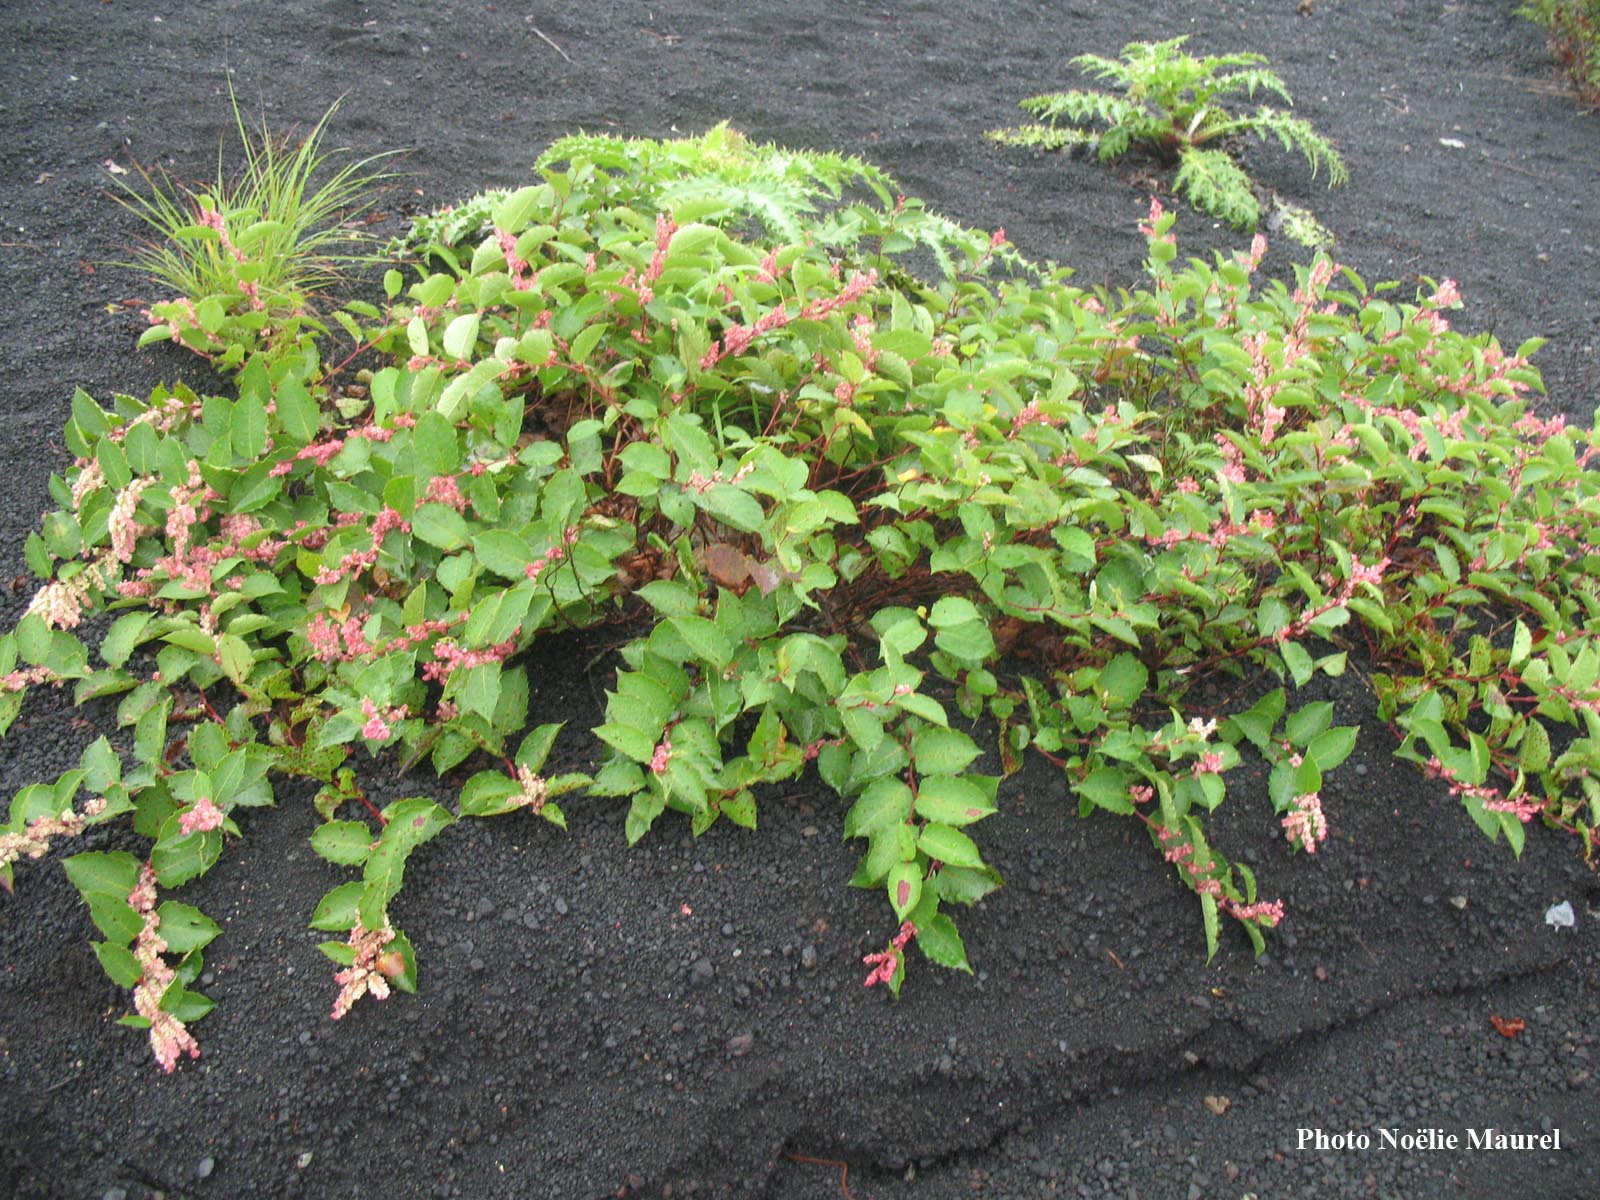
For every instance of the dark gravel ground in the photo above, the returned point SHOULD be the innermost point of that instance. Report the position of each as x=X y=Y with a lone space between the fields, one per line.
x=577 y=1035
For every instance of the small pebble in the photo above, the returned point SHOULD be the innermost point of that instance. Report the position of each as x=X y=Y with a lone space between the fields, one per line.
x=204 y=1167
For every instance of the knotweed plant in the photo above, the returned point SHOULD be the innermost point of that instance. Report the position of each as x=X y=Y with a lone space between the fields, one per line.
x=245 y=255
x=1574 y=27
x=852 y=524
x=1171 y=105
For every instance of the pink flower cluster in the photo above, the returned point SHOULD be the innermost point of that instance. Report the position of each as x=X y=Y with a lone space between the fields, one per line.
x=365 y=974
x=521 y=280
x=211 y=219
x=169 y=1038
x=701 y=484
x=535 y=791
x=1305 y=825
x=34 y=840
x=1493 y=800
x=25 y=677
x=449 y=658
x=204 y=815
x=1030 y=414
x=336 y=643
x=61 y=602
x=323 y=452
x=1148 y=227
x=661 y=757
x=739 y=337
x=550 y=557
x=885 y=963
x=1181 y=852
x=123 y=529
x=357 y=561
x=380 y=722
x=443 y=489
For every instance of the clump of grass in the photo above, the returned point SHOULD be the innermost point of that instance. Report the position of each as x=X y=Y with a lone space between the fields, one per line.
x=252 y=248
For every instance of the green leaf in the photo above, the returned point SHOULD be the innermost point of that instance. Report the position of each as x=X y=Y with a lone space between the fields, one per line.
x=184 y=927
x=410 y=823
x=346 y=843
x=1301 y=668
x=536 y=746
x=947 y=845
x=905 y=888
x=940 y=942
x=962 y=885
x=635 y=743
x=734 y=508
x=119 y=963
x=1332 y=747
x=1309 y=722
x=584 y=343
x=296 y=413
x=1534 y=752
x=952 y=801
x=503 y=553
x=114 y=873
x=937 y=751
x=122 y=637
x=180 y=857
x=488 y=794
x=1122 y=681
x=339 y=909
x=886 y=802
x=1107 y=788
x=440 y=525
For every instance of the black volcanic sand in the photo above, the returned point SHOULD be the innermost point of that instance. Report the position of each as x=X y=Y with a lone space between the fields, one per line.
x=577 y=1035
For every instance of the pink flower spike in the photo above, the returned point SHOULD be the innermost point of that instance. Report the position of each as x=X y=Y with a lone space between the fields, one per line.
x=663 y=755
x=203 y=816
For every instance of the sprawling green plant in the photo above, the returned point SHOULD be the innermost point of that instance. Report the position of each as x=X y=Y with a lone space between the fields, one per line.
x=847 y=515
x=1171 y=105
x=246 y=254
x=1574 y=27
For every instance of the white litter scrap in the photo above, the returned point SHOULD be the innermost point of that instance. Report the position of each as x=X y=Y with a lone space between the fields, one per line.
x=1560 y=915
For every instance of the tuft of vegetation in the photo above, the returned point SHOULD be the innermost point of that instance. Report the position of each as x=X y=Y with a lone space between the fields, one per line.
x=1574 y=27
x=1171 y=105
x=246 y=254
x=849 y=522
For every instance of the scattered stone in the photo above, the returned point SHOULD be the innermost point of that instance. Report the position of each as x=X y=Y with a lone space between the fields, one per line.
x=1218 y=1104
x=204 y=1167
x=741 y=1044
x=701 y=972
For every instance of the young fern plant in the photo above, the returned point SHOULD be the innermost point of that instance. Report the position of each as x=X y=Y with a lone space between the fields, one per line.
x=1170 y=104
x=246 y=253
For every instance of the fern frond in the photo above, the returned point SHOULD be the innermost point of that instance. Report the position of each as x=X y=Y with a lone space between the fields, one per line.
x=1115 y=141
x=1081 y=107
x=778 y=204
x=1242 y=58
x=1104 y=68
x=1214 y=182
x=1296 y=134
x=1044 y=137
x=1250 y=82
